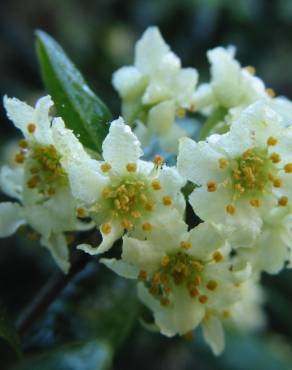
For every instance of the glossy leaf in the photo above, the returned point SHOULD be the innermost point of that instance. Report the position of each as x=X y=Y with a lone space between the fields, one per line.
x=75 y=102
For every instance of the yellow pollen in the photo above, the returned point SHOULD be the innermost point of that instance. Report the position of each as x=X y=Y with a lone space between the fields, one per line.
x=147 y=226
x=275 y=158
x=288 y=168
x=239 y=188
x=142 y=275
x=167 y=201
x=203 y=299
x=278 y=183
x=158 y=160
x=149 y=206
x=247 y=154
x=194 y=292
x=19 y=158
x=181 y=112
x=255 y=203
x=217 y=256
x=31 y=127
x=131 y=167
x=185 y=245
x=223 y=163
x=211 y=186
x=165 y=261
x=105 y=167
x=23 y=144
x=272 y=141
x=270 y=92
x=230 y=209
x=33 y=181
x=81 y=212
x=126 y=224
x=156 y=185
x=212 y=285
x=106 y=228
x=283 y=201
x=251 y=70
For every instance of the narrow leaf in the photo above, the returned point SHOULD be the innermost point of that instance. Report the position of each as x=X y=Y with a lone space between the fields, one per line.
x=75 y=102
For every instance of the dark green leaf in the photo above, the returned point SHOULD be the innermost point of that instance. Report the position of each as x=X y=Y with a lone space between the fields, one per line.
x=92 y=355
x=81 y=109
x=8 y=332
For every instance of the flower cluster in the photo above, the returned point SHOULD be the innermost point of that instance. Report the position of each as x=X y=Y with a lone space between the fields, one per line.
x=240 y=175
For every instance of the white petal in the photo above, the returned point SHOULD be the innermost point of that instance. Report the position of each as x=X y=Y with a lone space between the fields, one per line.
x=11 y=218
x=205 y=239
x=57 y=245
x=214 y=334
x=121 y=146
x=150 y=50
x=161 y=117
x=121 y=268
x=42 y=120
x=198 y=162
x=185 y=84
x=128 y=81
x=107 y=241
x=11 y=181
x=203 y=97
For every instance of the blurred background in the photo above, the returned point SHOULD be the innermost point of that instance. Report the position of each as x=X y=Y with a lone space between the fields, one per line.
x=99 y=36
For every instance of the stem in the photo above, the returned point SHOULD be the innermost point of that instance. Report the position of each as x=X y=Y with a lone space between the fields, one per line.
x=48 y=294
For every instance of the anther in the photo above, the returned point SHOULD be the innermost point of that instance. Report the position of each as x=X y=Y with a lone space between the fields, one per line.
x=185 y=245
x=147 y=226
x=142 y=275
x=106 y=228
x=105 y=167
x=203 y=299
x=283 y=201
x=181 y=112
x=251 y=70
x=211 y=186
x=23 y=144
x=223 y=163
x=212 y=285
x=126 y=224
x=158 y=160
x=156 y=185
x=272 y=141
x=19 y=158
x=167 y=201
x=270 y=92
x=194 y=292
x=165 y=261
x=275 y=157
x=31 y=127
x=81 y=212
x=197 y=280
x=288 y=168
x=278 y=183
x=131 y=167
x=217 y=256
x=230 y=209
x=255 y=203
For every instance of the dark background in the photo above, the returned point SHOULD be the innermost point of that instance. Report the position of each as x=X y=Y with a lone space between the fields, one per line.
x=99 y=37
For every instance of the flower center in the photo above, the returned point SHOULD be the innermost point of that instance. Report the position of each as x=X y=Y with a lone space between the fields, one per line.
x=46 y=171
x=253 y=172
x=129 y=199
x=180 y=269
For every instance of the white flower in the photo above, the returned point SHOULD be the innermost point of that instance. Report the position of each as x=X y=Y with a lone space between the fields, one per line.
x=122 y=192
x=156 y=88
x=183 y=275
x=231 y=85
x=39 y=182
x=242 y=174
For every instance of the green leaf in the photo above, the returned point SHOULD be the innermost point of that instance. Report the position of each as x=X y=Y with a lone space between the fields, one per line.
x=8 y=332
x=81 y=109
x=209 y=126
x=92 y=355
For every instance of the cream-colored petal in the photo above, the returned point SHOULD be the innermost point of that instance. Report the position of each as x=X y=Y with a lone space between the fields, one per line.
x=121 y=267
x=11 y=181
x=121 y=146
x=129 y=82
x=11 y=218
x=161 y=117
x=214 y=334
x=57 y=245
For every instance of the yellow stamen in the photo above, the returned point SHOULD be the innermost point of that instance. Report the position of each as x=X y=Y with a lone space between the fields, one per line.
x=165 y=261
x=212 y=285
x=126 y=224
x=31 y=127
x=288 y=168
x=181 y=112
x=203 y=299
x=211 y=186
x=230 y=209
x=251 y=70
x=19 y=158
x=275 y=157
x=158 y=160
x=105 y=167
x=270 y=92
x=217 y=256
x=156 y=185
x=197 y=280
x=23 y=144
x=106 y=228
x=223 y=163
x=272 y=141
x=131 y=167
x=142 y=275
x=81 y=212
x=194 y=292
x=278 y=183
x=185 y=245
x=255 y=203
x=147 y=226
x=283 y=201
x=167 y=201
